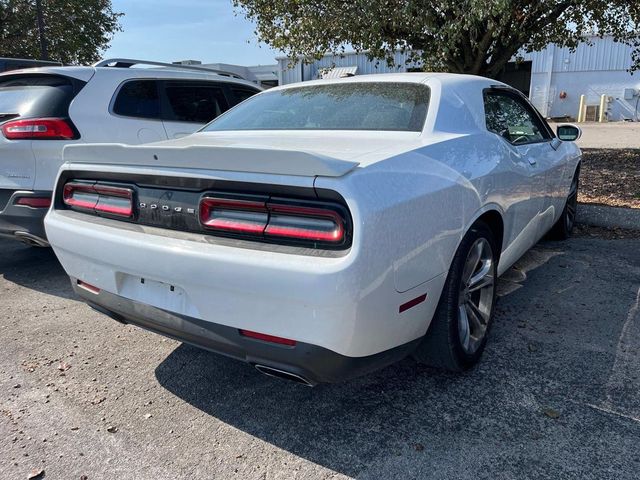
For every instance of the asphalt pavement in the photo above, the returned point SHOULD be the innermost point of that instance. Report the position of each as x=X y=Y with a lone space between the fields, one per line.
x=555 y=397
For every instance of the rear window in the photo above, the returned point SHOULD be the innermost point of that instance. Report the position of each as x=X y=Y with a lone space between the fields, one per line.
x=196 y=103
x=391 y=106
x=35 y=96
x=138 y=98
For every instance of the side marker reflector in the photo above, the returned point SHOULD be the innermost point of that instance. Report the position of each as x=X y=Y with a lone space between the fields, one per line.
x=412 y=303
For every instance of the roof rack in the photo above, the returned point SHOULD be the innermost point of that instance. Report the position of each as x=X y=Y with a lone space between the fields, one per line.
x=129 y=62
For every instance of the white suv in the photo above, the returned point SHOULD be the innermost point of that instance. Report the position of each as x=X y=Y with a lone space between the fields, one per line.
x=44 y=109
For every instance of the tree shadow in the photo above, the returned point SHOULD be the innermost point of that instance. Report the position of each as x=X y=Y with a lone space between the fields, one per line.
x=33 y=267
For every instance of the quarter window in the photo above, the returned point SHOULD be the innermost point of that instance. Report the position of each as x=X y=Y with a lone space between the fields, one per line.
x=197 y=103
x=139 y=99
x=512 y=119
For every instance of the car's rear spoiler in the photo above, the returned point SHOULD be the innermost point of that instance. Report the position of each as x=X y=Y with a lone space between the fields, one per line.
x=240 y=159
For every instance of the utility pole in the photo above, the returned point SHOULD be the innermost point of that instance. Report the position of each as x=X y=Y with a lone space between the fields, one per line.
x=44 y=54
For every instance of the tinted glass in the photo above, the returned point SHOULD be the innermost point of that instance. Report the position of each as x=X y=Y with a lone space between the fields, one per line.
x=197 y=103
x=138 y=98
x=510 y=117
x=35 y=96
x=338 y=106
x=242 y=94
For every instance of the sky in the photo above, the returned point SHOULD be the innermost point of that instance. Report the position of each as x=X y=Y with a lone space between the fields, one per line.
x=171 y=30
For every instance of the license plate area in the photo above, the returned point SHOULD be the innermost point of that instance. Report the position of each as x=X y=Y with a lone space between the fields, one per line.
x=157 y=294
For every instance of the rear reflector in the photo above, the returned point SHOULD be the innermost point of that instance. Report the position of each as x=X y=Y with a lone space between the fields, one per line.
x=34 y=202
x=88 y=287
x=99 y=198
x=272 y=220
x=268 y=338
x=39 y=129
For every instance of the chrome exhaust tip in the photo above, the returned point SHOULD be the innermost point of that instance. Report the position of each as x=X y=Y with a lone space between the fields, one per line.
x=31 y=240
x=274 y=372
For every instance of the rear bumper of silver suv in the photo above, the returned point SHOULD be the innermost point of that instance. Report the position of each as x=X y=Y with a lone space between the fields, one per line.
x=23 y=222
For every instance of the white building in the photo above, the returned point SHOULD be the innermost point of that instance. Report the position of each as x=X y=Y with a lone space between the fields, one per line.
x=265 y=76
x=554 y=78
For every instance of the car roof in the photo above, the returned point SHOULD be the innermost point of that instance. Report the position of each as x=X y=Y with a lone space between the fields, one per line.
x=402 y=77
x=86 y=73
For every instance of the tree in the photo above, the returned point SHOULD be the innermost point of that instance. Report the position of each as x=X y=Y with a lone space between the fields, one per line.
x=75 y=31
x=464 y=36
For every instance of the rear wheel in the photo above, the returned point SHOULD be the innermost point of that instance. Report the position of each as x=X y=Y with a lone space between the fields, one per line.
x=564 y=226
x=458 y=332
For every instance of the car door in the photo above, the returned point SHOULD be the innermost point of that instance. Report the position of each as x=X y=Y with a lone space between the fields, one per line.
x=552 y=164
x=137 y=107
x=510 y=116
x=189 y=105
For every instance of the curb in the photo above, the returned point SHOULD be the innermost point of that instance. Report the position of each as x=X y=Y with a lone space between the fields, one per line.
x=609 y=217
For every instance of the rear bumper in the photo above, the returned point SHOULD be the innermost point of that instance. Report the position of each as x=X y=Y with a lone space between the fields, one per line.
x=20 y=221
x=342 y=304
x=310 y=363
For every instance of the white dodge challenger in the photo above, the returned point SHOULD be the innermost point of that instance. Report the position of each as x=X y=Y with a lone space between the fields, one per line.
x=322 y=230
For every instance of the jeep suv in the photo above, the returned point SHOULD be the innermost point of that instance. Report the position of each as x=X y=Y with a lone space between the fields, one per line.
x=44 y=109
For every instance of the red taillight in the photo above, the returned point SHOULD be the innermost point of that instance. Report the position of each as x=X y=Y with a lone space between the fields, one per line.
x=39 y=129
x=306 y=223
x=99 y=198
x=34 y=202
x=272 y=220
x=240 y=216
x=268 y=338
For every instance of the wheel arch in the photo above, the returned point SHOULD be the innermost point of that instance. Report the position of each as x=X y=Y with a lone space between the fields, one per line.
x=493 y=217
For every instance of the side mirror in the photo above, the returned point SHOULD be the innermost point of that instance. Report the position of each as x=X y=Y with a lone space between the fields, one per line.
x=569 y=133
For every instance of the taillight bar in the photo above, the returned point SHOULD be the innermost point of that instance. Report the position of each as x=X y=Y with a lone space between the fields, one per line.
x=272 y=219
x=99 y=198
x=39 y=129
x=306 y=223
x=243 y=216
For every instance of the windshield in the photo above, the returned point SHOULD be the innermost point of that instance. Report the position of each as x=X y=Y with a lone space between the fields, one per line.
x=391 y=106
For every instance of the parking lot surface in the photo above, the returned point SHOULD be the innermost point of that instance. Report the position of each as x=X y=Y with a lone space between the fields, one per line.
x=556 y=395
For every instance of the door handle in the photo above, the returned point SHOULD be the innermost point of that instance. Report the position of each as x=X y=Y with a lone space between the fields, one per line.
x=532 y=161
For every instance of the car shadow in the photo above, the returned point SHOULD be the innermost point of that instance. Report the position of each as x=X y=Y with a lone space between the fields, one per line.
x=33 y=267
x=535 y=359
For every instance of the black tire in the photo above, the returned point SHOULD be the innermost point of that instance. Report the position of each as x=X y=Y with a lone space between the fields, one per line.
x=564 y=226
x=443 y=346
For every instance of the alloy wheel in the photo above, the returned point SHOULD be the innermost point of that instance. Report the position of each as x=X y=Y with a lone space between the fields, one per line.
x=476 y=295
x=572 y=205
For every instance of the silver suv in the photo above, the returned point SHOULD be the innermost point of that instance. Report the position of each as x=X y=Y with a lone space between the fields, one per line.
x=44 y=109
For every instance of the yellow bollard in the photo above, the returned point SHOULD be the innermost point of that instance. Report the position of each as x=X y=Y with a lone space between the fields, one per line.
x=603 y=109
x=582 y=109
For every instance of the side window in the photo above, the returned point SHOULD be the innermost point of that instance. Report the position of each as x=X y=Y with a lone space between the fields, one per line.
x=511 y=118
x=194 y=102
x=241 y=94
x=138 y=98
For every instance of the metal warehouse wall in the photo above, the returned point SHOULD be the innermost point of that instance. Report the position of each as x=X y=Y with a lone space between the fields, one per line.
x=365 y=66
x=594 y=69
